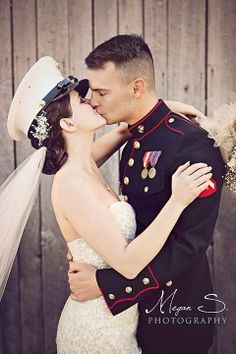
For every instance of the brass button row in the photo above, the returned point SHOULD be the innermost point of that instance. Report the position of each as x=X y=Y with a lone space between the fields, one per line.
x=137 y=144
x=129 y=290
x=126 y=181
x=131 y=162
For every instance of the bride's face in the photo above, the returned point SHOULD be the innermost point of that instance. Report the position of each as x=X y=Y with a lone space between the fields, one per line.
x=83 y=115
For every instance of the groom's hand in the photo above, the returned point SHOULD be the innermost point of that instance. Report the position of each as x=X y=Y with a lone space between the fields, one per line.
x=82 y=280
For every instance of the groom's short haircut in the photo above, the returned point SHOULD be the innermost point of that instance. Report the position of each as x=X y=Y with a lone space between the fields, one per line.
x=129 y=53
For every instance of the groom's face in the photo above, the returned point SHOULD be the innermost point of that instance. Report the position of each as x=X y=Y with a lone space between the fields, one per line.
x=111 y=94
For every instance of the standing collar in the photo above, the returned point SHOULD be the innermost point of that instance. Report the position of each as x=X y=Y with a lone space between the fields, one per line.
x=150 y=120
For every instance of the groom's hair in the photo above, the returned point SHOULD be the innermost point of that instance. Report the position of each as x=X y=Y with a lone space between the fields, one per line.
x=129 y=53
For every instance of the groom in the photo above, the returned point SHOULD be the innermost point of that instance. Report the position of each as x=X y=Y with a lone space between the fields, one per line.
x=174 y=291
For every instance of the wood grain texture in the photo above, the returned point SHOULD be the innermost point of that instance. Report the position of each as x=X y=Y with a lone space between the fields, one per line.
x=222 y=89
x=53 y=40
x=130 y=16
x=186 y=51
x=80 y=35
x=155 y=33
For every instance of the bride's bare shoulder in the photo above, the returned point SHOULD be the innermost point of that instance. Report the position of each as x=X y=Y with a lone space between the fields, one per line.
x=65 y=181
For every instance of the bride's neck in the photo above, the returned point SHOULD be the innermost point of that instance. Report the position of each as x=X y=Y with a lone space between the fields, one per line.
x=79 y=149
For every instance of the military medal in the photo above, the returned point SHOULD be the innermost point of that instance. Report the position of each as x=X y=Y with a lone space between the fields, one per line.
x=153 y=161
x=152 y=172
x=144 y=173
x=146 y=160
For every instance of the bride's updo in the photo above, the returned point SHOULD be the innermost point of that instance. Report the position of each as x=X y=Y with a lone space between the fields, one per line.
x=56 y=154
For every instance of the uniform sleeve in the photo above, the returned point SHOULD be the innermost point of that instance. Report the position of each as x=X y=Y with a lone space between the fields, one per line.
x=188 y=241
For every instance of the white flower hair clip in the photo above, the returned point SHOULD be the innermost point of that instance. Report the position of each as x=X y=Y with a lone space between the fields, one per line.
x=41 y=129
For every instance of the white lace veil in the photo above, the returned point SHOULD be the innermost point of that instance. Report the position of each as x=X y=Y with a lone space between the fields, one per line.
x=17 y=197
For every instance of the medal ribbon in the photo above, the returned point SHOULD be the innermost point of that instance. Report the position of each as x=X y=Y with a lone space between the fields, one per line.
x=146 y=158
x=154 y=158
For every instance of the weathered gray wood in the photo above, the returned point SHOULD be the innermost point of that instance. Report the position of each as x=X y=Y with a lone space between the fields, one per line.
x=53 y=37
x=186 y=51
x=9 y=308
x=80 y=35
x=130 y=16
x=106 y=26
x=24 y=27
x=221 y=84
x=155 y=33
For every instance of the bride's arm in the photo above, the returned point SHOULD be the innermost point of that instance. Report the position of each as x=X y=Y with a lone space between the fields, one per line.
x=94 y=222
x=106 y=145
x=184 y=109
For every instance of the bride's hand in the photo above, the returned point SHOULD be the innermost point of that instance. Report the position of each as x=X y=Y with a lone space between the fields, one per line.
x=189 y=181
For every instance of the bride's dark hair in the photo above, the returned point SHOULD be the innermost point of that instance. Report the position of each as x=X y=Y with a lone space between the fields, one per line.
x=56 y=154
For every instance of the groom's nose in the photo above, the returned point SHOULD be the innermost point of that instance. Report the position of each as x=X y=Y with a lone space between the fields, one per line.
x=93 y=101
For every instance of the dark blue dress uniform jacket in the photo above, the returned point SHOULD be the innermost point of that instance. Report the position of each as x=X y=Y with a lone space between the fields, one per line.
x=179 y=274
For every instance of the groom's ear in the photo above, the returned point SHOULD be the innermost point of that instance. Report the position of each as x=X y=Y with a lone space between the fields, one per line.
x=67 y=125
x=138 y=87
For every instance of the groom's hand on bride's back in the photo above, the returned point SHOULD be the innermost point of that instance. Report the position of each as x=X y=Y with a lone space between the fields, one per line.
x=82 y=281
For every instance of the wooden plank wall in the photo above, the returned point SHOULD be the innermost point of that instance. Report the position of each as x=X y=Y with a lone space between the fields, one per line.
x=221 y=87
x=194 y=48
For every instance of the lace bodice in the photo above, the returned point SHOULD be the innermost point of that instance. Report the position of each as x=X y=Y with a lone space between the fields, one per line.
x=125 y=217
x=89 y=327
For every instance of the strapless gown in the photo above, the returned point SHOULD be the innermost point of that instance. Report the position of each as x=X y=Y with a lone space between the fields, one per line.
x=89 y=327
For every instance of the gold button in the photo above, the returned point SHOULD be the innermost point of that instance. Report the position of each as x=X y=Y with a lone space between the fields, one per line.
x=125 y=198
x=146 y=281
x=146 y=189
x=131 y=162
x=126 y=180
x=128 y=289
x=140 y=129
x=41 y=103
x=111 y=296
x=136 y=144
x=169 y=283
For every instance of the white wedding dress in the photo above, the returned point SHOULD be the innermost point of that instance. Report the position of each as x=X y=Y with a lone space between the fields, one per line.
x=89 y=327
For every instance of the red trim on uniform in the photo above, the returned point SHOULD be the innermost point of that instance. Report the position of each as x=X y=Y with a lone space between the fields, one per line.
x=187 y=121
x=174 y=130
x=155 y=127
x=135 y=297
x=150 y=269
x=147 y=115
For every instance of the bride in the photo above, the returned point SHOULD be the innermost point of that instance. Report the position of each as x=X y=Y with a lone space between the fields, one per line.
x=50 y=110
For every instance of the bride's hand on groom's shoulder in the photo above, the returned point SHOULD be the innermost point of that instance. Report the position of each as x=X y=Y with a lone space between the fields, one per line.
x=82 y=281
x=185 y=109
